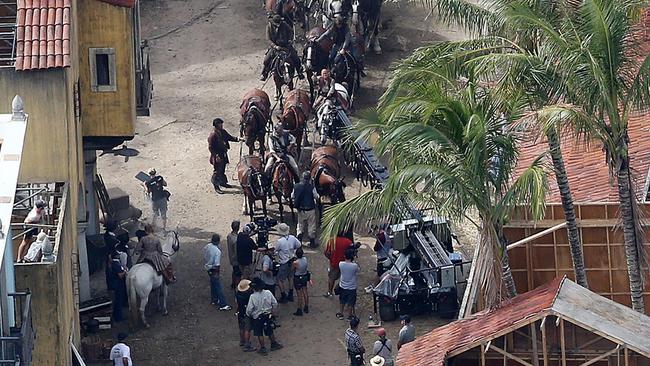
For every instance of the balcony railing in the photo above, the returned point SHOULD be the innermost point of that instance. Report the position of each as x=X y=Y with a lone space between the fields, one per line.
x=16 y=349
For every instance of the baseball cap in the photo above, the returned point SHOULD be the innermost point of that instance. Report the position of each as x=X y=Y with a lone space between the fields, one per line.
x=406 y=318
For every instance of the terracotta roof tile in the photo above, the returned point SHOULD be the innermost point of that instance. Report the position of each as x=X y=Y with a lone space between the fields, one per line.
x=586 y=167
x=42 y=34
x=432 y=348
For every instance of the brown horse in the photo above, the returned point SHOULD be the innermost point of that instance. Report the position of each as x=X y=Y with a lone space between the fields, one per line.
x=253 y=183
x=326 y=174
x=282 y=185
x=296 y=109
x=289 y=8
x=255 y=111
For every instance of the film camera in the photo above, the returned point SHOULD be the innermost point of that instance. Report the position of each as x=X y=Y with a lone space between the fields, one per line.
x=262 y=226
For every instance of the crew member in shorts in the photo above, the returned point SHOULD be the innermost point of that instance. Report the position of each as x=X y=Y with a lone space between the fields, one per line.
x=285 y=250
x=260 y=309
x=348 y=285
x=242 y=296
x=301 y=278
x=267 y=274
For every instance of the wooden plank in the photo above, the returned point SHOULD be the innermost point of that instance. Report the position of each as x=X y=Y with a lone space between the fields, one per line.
x=471 y=289
x=544 y=352
x=562 y=342
x=533 y=333
x=604 y=355
x=482 y=355
x=509 y=355
x=536 y=236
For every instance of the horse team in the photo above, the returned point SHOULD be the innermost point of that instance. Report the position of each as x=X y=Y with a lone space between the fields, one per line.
x=299 y=106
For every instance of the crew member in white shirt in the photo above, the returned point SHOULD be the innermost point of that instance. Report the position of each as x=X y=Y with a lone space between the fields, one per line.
x=121 y=353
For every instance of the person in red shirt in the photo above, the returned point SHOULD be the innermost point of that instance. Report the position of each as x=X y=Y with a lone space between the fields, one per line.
x=335 y=252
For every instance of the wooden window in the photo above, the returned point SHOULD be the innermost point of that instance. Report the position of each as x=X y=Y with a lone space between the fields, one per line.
x=102 y=69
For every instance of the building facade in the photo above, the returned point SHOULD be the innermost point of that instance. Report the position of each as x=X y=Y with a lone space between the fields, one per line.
x=75 y=64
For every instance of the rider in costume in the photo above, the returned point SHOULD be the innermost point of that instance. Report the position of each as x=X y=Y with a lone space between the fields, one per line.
x=280 y=33
x=280 y=141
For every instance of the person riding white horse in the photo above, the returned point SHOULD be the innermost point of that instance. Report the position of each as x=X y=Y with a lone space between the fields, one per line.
x=142 y=278
x=150 y=251
x=281 y=142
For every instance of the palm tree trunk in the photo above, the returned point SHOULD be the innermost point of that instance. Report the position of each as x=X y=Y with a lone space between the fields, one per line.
x=575 y=245
x=631 y=235
x=506 y=271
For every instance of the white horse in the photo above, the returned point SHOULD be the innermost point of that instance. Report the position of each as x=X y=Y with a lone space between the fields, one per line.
x=142 y=278
x=330 y=9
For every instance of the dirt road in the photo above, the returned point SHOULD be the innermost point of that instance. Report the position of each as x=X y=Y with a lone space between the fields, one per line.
x=205 y=55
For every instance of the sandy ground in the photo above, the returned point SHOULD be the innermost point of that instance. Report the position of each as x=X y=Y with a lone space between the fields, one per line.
x=205 y=55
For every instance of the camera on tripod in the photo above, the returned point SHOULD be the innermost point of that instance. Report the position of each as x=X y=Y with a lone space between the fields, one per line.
x=263 y=225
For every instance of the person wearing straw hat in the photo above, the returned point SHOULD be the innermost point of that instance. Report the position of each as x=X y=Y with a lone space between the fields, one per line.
x=242 y=296
x=383 y=348
x=260 y=308
x=285 y=250
x=378 y=361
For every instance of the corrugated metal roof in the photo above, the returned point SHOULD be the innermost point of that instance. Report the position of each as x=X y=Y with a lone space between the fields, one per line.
x=561 y=297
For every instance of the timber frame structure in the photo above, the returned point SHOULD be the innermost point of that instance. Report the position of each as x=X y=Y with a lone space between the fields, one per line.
x=539 y=250
x=559 y=324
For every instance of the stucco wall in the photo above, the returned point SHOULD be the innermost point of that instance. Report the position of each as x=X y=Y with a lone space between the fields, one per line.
x=54 y=311
x=107 y=26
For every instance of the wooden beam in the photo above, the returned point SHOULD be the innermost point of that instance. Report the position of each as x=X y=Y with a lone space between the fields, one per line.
x=536 y=236
x=482 y=355
x=590 y=342
x=604 y=355
x=505 y=348
x=627 y=359
x=509 y=355
x=471 y=288
x=544 y=352
x=562 y=342
x=533 y=334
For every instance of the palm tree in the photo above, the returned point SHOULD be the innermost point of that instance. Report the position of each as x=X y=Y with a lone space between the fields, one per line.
x=585 y=52
x=451 y=148
x=511 y=48
x=598 y=52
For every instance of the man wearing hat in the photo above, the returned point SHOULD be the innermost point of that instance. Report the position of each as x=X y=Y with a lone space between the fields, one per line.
x=260 y=309
x=285 y=250
x=242 y=296
x=304 y=198
x=378 y=361
x=121 y=353
x=382 y=349
x=219 y=144
x=280 y=34
x=407 y=333
x=156 y=190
